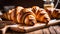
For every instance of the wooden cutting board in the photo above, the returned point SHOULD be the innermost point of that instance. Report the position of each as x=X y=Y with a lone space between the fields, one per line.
x=36 y=26
x=20 y=28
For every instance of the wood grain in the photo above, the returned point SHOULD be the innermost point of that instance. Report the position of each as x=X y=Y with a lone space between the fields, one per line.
x=52 y=31
x=57 y=29
x=38 y=26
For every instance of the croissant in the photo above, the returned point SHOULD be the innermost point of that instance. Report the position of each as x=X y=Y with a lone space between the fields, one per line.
x=29 y=16
x=50 y=12
x=41 y=14
x=56 y=14
x=53 y=13
x=21 y=15
x=35 y=9
x=18 y=11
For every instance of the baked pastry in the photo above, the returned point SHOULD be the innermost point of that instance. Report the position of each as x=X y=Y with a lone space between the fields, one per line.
x=41 y=14
x=53 y=13
x=56 y=14
x=35 y=9
x=50 y=12
x=27 y=16
x=18 y=12
x=21 y=15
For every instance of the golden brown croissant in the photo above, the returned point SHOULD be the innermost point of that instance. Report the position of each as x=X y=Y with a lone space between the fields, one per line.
x=56 y=13
x=35 y=9
x=10 y=15
x=53 y=13
x=18 y=11
x=50 y=12
x=41 y=14
x=21 y=15
x=27 y=16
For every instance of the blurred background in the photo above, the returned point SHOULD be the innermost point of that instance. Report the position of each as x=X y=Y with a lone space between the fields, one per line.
x=4 y=4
